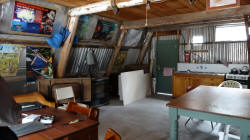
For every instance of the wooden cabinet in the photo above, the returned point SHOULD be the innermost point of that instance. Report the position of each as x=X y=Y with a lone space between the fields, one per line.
x=184 y=81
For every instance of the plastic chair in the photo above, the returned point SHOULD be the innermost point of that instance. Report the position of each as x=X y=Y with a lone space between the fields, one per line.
x=229 y=84
x=112 y=135
x=33 y=97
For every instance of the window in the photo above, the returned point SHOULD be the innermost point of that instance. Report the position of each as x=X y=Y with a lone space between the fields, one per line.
x=231 y=33
x=197 y=39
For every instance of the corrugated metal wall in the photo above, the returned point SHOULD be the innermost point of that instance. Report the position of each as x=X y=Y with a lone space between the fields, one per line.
x=78 y=63
x=235 y=52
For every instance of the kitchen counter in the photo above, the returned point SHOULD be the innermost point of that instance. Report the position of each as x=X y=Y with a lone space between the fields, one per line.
x=200 y=73
x=184 y=81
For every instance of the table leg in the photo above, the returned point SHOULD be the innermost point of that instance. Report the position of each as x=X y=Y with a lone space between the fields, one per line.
x=243 y=136
x=173 y=123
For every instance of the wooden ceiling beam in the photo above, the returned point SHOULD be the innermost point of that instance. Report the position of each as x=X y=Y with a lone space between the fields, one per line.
x=189 y=18
x=105 y=6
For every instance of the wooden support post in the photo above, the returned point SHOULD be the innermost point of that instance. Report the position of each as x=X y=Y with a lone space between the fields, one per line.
x=247 y=23
x=65 y=50
x=144 y=48
x=115 y=53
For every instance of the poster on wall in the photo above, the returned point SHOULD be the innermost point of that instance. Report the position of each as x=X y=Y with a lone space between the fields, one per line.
x=104 y=30
x=9 y=60
x=219 y=4
x=38 y=63
x=83 y=28
x=29 y=18
x=118 y=65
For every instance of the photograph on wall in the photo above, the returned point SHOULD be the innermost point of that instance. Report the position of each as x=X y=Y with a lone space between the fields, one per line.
x=32 y=19
x=39 y=64
x=83 y=27
x=104 y=30
x=9 y=60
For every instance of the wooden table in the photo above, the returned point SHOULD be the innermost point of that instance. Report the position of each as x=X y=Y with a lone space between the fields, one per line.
x=218 y=104
x=84 y=130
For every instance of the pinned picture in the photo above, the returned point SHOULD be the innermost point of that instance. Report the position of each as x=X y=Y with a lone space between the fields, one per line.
x=39 y=64
x=34 y=19
x=104 y=30
x=9 y=60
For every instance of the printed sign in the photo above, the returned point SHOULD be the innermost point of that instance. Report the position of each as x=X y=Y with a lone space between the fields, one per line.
x=32 y=19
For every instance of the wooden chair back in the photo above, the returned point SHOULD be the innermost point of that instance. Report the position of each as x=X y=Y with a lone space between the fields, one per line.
x=63 y=93
x=73 y=107
x=33 y=97
x=112 y=135
x=95 y=114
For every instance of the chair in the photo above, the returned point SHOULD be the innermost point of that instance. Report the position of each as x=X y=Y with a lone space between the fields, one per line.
x=33 y=97
x=230 y=84
x=95 y=114
x=74 y=108
x=112 y=135
x=63 y=94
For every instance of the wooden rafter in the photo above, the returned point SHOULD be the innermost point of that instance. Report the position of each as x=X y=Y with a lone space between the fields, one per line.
x=144 y=48
x=65 y=50
x=115 y=53
x=105 y=6
x=189 y=18
x=247 y=23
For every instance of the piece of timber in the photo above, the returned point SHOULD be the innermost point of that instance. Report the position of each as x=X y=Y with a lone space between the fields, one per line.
x=25 y=42
x=144 y=48
x=238 y=12
x=115 y=53
x=105 y=6
x=247 y=20
x=72 y=25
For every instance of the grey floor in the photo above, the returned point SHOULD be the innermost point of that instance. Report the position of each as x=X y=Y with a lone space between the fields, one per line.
x=148 y=119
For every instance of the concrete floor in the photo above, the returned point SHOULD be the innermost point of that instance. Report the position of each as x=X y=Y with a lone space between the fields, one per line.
x=148 y=119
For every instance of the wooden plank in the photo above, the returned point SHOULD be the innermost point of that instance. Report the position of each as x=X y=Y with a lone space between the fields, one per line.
x=115 y=53
x=144 y=48
x=247 y=20
x=105 y=6
x=189 y=18
x=3 y=1
x=24 y=42
x=72 y=26
x=30 y=34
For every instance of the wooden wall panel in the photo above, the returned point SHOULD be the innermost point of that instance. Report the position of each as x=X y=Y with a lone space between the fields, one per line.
x=166 y=8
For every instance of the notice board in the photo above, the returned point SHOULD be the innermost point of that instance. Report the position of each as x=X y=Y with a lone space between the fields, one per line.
x=32 y=19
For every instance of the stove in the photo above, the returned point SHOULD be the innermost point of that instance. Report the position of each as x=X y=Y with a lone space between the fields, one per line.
x=241 y=78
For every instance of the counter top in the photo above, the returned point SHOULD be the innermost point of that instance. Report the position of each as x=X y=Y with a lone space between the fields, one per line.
x=200 y=73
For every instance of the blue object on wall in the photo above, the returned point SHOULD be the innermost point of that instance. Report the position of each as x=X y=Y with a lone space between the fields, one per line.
x=55 y=41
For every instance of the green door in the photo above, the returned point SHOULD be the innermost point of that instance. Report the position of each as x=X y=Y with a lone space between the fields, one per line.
x=166 y=57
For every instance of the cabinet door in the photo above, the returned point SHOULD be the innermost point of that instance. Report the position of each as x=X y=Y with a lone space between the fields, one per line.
x=180 y=85
x=207 y=81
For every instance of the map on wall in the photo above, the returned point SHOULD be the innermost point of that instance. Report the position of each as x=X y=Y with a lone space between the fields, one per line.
x=104 y=30
x=38 y=63
x=32 y=19
x=9 y=60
